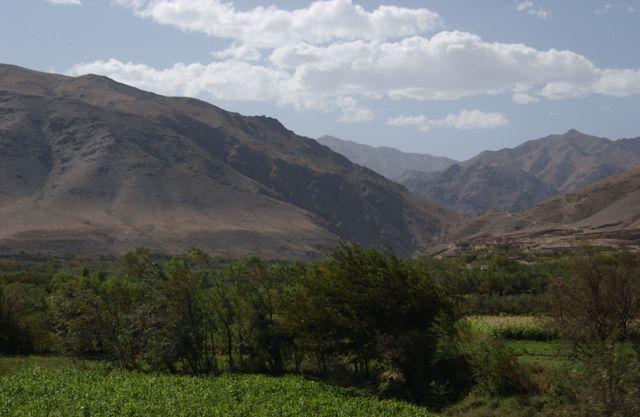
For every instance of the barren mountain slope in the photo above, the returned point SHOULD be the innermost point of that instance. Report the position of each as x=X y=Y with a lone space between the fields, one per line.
x=568 y=161
x=89 y=165
x=479 y=187
x=528 y=174
x=606 y=212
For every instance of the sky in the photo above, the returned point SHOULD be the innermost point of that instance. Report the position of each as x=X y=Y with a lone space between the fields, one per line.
x=445 y=77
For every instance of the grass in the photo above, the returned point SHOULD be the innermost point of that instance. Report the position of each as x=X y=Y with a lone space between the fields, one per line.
x=53 y=387
x=548 y=355
x=532 y=339
x=514 y=327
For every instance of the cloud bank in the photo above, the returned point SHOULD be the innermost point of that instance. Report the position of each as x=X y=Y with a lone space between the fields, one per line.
x=464 y=120
x=336 y=56
x=269 y=27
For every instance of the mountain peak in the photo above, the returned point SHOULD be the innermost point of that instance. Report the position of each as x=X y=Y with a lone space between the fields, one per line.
x=574 y=132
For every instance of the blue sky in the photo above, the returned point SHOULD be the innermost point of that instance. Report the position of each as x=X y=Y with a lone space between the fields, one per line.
x=447 y=77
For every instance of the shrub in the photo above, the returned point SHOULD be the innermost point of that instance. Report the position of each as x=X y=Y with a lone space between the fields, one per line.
x=497 y=370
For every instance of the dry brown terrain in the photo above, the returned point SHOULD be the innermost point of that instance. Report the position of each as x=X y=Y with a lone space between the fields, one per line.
x=515 y=179
x=604 y=213
x=91 y=166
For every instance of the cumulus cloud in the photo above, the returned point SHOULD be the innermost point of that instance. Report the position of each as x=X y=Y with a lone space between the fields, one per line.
x=528 y=6
x=268 y=27
x=228 y=80
x=353 y=111
x=450 y=65
x=65 y=2
x=471 y=119
x=523 y=98
x=401 y=121
x=465 y=120
x=341 y=76
x=239 y=53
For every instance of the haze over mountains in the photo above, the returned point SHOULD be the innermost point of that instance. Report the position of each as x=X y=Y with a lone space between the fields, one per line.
x=386 y=161
x=89 y=166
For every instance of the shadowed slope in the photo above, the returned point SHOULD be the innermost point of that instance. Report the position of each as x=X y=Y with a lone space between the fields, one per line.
x=90 y=165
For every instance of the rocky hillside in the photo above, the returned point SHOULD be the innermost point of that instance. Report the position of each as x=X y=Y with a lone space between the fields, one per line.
x=478 y=187
x=88 y=165
x=515 y=179
x=604 y=213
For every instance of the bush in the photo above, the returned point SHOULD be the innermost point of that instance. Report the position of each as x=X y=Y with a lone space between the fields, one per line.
x=497 y=370
x=515 y=327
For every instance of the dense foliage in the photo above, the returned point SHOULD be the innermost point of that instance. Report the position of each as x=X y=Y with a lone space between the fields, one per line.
x=499 y=282
x=360 y=316
x=432 y=331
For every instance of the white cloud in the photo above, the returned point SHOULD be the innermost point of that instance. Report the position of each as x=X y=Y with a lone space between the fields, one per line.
x=340 y=76
x=465 y=120
x=228 y=80
x=401 y=121
x=448 y=66
x=268 y=27
x=239 y=53
x=65 y=2
x=352 y=111
x=523 y=98
x=471 y=119
x=529 y=6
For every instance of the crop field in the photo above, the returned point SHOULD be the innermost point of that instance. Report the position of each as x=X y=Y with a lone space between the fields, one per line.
x=41 y=388
x=514 y=327
x=532 y=339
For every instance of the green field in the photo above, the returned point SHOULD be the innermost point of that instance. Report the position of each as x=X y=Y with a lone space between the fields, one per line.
x=55 y=387
x=515 y=327
x=532 y=339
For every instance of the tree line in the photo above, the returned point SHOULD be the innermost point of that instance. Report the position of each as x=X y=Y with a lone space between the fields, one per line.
x=357 y=317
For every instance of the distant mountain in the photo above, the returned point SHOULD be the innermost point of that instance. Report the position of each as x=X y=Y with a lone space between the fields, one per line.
x=569 y=161
x=606 y=212
x=88 y=166
x=477 y=187
x=388 y=162
x=612 y=204
x=514 y=179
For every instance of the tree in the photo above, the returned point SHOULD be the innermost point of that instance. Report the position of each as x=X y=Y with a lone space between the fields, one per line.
x=597 y=306
x=366 y=306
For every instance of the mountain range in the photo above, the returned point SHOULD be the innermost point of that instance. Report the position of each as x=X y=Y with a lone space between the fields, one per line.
x=91 y=166
x=515 y=179
x=390 y=162
x=604 y=213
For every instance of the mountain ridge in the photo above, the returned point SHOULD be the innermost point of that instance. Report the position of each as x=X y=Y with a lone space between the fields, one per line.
x=386 y=161
x=541 y=167
x=90 y=165
x=605 y=213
